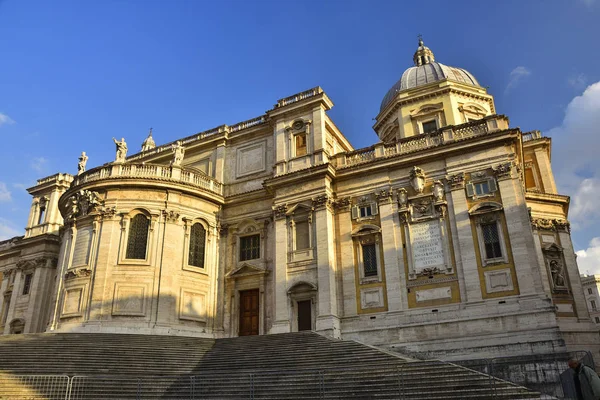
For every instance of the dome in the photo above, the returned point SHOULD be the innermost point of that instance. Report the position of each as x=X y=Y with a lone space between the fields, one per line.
x=426 y=70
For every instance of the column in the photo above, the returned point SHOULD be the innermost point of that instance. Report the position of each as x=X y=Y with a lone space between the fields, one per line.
x=393 y=262
x=282 y=314
x=519 y=230
x=464 y=248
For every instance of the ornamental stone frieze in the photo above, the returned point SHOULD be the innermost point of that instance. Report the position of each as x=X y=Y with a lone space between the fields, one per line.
x=279 y=212
x=78 y=273
x=456 y=181
x=551 y=224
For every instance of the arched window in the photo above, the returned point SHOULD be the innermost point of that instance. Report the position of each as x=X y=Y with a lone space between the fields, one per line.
x=137 y=239
x=197 y=245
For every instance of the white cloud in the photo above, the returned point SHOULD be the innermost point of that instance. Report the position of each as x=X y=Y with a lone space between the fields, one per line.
x=38 y=163
x=588 y=260
x=515 y=77
x=4 y=193
x=584 y=208
x=588 y=3
x=575 y=145
x=7 y=230
x=22 y=186
x=577 y=81
x=5 y=119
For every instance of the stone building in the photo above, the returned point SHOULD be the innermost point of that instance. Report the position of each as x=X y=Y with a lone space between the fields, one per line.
x=591 y=291
x=446 y=238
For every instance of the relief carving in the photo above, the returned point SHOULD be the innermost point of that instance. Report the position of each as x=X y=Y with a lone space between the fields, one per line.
x=342 y=204
x=78 y=273
x=417 y=179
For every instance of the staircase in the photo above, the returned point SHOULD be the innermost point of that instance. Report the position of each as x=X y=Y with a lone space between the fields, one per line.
x=285 y=366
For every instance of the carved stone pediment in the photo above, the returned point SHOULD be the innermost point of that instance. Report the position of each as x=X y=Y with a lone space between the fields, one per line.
x=246 y=269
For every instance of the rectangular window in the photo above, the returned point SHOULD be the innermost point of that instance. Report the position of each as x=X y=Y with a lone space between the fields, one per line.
x=598 y=320
x=491 y=240
x=302 y=236
x=590 y=291
x=429 y=126
x=300 y=144
x=27 y=284
x=365 y=211
x=593 y=304
x=369 y=260
x=249 y=247
x=482 y=188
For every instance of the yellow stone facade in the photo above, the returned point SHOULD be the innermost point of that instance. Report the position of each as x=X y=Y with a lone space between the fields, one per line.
x=447 y=237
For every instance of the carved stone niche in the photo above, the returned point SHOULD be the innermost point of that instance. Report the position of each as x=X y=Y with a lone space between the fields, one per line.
x=557 y=273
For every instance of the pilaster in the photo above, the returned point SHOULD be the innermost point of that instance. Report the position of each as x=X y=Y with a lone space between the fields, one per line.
x=390 y=227
x=344 y=222
x=327 y=314
x=573 y=273
x=519 y=229
x=464 y=247
x=13 y=300
x=281 y=324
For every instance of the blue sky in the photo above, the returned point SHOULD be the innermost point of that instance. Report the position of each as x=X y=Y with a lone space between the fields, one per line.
x=74 y=74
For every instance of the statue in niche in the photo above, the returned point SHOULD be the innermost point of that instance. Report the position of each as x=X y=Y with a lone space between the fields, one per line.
x=178 y=152
x=438 y=190
x=121 y=150
x=402 y=198
x=557 y=272
x=83 y=158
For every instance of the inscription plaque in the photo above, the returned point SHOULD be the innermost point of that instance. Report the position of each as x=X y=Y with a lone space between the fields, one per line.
x=427 y=248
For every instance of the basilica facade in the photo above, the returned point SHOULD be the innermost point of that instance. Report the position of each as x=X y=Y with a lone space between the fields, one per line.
x=446 y=238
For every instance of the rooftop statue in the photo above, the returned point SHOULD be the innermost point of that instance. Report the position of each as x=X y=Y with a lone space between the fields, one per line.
x=178 y=152
x=121 y=150
x=83 y=158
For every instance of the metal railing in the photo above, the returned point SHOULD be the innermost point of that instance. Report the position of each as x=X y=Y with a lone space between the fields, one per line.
x=548 y=374
x=411 y=380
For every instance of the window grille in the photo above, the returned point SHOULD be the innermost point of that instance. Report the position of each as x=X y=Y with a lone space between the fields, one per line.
x=197 y=245
x=27 y=284
x=249 y=247
x=138 y=237
x=491 y=240
x=369 y=260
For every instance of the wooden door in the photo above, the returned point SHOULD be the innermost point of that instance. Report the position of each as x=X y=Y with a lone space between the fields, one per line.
x=249 y=313
x=304 y=315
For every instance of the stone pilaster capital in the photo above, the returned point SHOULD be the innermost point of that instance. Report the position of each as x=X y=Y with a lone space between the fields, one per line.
x=507 y=170
x=322 y=202
x=383 y=196
x=342 y=204
x=279 y=211
x=456 y=181
x=171 y=216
